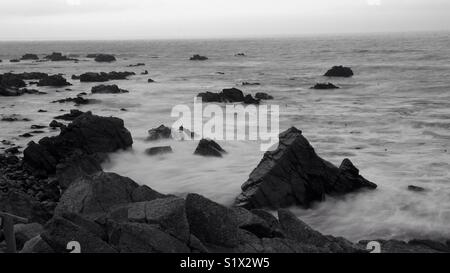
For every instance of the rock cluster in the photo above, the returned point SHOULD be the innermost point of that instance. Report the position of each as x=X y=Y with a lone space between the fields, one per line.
x=102 y=76
x=107 y=89
x=231 y=95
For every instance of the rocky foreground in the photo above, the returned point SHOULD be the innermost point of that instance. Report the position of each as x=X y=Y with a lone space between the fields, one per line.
x=60 y=187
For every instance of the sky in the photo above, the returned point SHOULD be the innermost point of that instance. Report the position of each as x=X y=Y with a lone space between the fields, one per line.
x=178 y=19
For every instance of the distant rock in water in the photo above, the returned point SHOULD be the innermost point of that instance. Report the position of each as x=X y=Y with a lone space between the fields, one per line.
x=339 y=71
x=92 y=56
x=54 y=80
x=295 y=175
x=162 y=132
x=29 y=56
x=251 y=83
x=197 y=57
x=208 y=147
x=103 y=76
x=105 y=58
x=159 y=150
x=107 y=89
x=56 y=124
x=240 y=55
x=77 y=100
x=150 y=81
x=231 y=95
x=14 y=61
x=416 y=188
x=145 y=72
x=58 y=57
x=263 y=96
x=136 y=65
x=324 y=86
x=74 y=113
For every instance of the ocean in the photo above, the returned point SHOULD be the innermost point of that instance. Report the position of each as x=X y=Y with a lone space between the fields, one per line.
x=392 y=119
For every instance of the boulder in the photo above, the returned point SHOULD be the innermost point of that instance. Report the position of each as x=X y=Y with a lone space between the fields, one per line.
x=162 y=132
x=254 y=224
x=339 y=71
x=11 y=80
x=55 y=124
x=26 y=232
x=23 y=205
x=29 y=56
x=250 y=100
x=294 y=174
x=144 y=238
x=159 y=150
x=197 y=57
x=263 y=96
x=251 y=84
x=210 y=222
x=77 y=100
x=90 y=134
x=36 y=245
x=55 y=81
x=105 y=58
x=232 y=95
x=416 y=188
x=150 y=81
x=94 y=195
x=208 y=147
x=59 y=232
x=145 y=193
x=107 y=89
x=103 y=76
x=324 y=86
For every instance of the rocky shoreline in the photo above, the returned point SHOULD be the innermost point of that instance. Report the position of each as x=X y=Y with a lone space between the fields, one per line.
x=60 y=187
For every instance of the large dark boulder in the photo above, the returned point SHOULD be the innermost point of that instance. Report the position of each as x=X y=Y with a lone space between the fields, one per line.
x=54 y=80
x=105 y=58
x=339 y=71
x=263 y=96
x=162 y=132
x=197 y=57
x=23 y=205
x=212 y=223
x=107 y=89
x=159 y=150
x=11 y=80
x=295 y=175
x=88 y=133
x=103 y=76
x=207 y=147
x=232 y=95
x=324 y=86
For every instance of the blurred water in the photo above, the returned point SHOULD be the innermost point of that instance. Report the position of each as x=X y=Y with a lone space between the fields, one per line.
x=392 y=118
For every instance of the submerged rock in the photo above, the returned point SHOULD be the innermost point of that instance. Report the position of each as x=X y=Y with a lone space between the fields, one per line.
x=103 y=76
x=107 y=89
x=58 y=57
x=230 y=95
x=339 y=71
x=295 y=175
x=250 y=100
x=263 y=96
x=55 y=81
x=324 y=86
x=72 y=115
x=159 y=150
x=77 y=100
x=208 y=147
x=416 y=188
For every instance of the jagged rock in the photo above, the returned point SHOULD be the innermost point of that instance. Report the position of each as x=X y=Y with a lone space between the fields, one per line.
x=12 y=150
x=144 y=238
x=263 y=96
x=253 y=223
x=150 y=81
x=88 y=133
x=29 y=56
x=26 y=232
x=324 y=86
x=11 y=80
x=59 y=232
x=55 y=124
x=96 y=194
x=231 y=95
x=197 y=57
x=145 y=72
x=209 y=148
x=295 y=175
x=107 y=89
x=72 y=115
x=36 y=245
x=55 y=80
x=210 y=222
x=105 y=58
x=159 y=150
x=162 y=132
x=339 y=71
x=88 y=225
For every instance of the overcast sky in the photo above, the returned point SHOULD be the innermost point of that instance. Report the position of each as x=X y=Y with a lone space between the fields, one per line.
x=148 y=19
